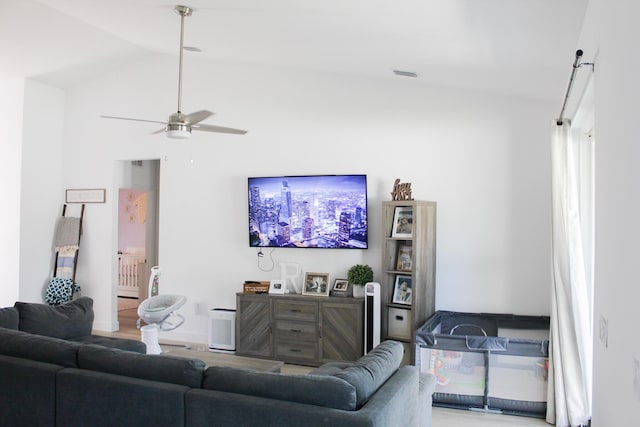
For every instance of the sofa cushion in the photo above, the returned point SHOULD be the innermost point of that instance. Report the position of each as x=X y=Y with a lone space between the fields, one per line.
x=97 y=399
x=39 y=348
x=113 y=342
x=369 y=372
x=9 y=318
x=319 y=390
x=28 y=390
x=170 y=369
x=70 y=320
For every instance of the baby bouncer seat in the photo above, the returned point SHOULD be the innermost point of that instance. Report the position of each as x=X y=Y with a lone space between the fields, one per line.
x=159 y=312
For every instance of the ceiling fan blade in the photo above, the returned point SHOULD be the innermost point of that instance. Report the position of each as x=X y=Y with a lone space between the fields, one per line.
x=158 y=131
x=197 y=117
x=219 y=129
x=135 y=120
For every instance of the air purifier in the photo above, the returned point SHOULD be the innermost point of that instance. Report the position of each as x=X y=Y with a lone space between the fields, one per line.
x=222 y=330
x=371 y=315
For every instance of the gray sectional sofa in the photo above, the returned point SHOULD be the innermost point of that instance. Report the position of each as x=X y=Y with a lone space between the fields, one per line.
x=48 y=381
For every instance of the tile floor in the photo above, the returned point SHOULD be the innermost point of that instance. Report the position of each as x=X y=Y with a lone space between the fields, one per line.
x=443 y=417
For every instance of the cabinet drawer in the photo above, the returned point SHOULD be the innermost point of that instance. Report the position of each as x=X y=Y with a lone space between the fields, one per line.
x=299 y=351
x=295 y=310
x=400 y=323
x=286 y=330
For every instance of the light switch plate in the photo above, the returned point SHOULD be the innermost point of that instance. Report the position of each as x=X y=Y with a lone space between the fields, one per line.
x=636 y=377
x=604 y=331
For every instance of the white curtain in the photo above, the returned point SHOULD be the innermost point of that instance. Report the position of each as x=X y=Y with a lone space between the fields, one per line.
x=571 y=344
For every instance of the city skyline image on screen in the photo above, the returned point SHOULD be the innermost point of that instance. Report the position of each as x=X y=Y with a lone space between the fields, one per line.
x=315 y=211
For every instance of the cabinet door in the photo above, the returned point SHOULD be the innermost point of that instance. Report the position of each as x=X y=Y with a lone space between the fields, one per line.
x=253 y=331
x=341 y=331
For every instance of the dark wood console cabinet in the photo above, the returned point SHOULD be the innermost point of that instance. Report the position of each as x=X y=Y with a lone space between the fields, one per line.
x=299 y=329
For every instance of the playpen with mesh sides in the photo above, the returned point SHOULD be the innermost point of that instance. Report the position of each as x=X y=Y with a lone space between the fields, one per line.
x=486 y=362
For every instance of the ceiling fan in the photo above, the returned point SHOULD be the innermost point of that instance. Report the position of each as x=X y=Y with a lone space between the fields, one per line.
x=180 y=125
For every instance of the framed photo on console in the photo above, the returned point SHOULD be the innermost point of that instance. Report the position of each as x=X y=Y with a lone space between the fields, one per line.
x=316 y=284
x=277 y=287
x=341 y=288
x=402 y=222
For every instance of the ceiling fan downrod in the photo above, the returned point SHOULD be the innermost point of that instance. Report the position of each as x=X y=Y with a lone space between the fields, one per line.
x=182 y=11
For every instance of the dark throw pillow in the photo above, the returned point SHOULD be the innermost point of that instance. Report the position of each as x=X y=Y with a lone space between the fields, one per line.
x=71 y=320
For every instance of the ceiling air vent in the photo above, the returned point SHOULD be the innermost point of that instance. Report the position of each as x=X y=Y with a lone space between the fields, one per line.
x=405 y=73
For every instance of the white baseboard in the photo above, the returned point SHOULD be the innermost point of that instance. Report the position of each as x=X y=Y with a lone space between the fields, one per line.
x=106 y=326
x=191 y=337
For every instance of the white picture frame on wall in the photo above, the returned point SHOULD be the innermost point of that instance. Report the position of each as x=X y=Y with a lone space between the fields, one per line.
x=85 y=195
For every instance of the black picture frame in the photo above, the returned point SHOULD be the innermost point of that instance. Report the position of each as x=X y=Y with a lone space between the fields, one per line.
x=342 y=288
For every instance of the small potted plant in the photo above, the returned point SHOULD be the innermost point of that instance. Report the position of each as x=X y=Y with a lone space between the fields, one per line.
x=357 y=276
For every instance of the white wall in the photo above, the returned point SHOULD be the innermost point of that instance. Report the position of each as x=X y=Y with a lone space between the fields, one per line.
x=11 y=103
x=610 y=32
x=483 y=158
x=42 y=194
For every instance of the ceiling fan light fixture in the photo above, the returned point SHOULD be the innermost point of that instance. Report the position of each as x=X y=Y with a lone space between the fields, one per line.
x=178 y=131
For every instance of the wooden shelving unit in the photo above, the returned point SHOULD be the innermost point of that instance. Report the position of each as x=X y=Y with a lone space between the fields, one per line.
x=408 y=258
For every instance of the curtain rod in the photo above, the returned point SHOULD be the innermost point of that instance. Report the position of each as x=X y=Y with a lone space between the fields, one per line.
x=576 y=64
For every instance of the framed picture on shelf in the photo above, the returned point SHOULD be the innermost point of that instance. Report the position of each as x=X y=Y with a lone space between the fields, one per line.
x=277 y=287
x=402 y=290
x=340 y=288
x=404 y=261
x=402 y=222
x=316 y=284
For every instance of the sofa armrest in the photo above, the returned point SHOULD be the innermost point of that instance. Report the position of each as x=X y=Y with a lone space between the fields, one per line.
x=425 y=399
x=396 y=402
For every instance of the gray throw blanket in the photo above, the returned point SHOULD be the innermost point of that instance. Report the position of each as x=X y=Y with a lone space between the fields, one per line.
x=67 y=232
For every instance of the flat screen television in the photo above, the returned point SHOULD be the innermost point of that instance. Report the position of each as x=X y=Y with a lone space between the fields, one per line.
x=313 y=211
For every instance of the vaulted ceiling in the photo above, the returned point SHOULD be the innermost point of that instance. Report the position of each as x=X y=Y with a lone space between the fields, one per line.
x=524 y=47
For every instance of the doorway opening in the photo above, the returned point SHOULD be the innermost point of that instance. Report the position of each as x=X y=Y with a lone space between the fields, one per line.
x=137 y=239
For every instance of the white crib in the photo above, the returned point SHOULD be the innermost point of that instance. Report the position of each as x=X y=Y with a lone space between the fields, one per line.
x=132 y=275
